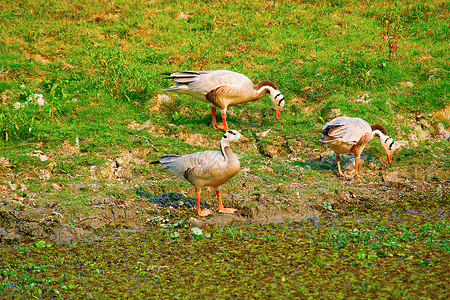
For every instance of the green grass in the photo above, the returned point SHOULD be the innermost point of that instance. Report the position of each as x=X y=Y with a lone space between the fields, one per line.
x=98 y=68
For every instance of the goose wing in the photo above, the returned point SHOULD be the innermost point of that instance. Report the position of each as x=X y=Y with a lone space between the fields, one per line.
x=206 y=81
x=348 y=130
x=200 y=166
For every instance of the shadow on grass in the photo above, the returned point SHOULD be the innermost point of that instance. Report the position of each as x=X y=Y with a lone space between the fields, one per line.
x=327 y=163
x=176 y=200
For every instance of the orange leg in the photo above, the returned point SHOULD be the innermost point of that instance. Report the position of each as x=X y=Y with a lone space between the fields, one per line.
x=224 y=121
x=356 y=165
x=202 y=213
x=338 y=161
x=221 y=208
x=214 y=120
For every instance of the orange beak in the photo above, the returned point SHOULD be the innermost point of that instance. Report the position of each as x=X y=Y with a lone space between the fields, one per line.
x=243 y=139
x=277 y=113
x=389 y=158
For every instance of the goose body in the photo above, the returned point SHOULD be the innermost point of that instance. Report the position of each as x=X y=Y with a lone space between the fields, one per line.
x=224 y=88
x=207 y=168
x=351 y=135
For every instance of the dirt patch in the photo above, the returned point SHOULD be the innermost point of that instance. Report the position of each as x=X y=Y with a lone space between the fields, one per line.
x=289 y=202
x=125 y=191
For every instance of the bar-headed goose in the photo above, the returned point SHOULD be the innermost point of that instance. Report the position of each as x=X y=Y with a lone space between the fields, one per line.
x=224 y=88
x=208 y=168
x=351 y=135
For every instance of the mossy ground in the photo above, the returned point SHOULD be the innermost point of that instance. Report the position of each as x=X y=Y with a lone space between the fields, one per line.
x=378 y=255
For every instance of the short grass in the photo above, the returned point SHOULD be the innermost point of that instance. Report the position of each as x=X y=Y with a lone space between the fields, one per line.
x=98 y=65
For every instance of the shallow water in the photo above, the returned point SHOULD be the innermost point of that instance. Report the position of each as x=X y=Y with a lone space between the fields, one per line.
x=325 y=257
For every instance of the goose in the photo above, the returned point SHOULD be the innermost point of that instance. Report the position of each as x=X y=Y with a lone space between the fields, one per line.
x=207 y=168
x=224 y=88
x=351 y=135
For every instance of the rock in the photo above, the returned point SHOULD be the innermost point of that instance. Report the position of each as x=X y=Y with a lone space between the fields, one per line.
x=396 y=177
x=67 y=149
x=443 y=114
x=263 y=134
x=124 y=173
x=183 y=16
x=107 y=170
x=406 y=84
x=444 y=134
x=364 y=98
x=330 y=114
x=6 y=171
x=13 y=186
x=46 y=173
x=57 y=187
x=272 y=151
x=124 y=159
x=4 y=162
x=136 y=126
x=140 y=153
x=422 y=134
x=43 y=157
x=156 y=102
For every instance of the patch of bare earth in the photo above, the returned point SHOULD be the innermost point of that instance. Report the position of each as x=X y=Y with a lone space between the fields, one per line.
x=108 y=191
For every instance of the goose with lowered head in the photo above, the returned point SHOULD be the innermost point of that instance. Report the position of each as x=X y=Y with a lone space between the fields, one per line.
x=224 y=88
x=351 y=135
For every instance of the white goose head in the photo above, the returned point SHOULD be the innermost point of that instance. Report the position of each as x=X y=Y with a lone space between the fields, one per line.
x=276 y=96
x=232 y=136
x=387 y=143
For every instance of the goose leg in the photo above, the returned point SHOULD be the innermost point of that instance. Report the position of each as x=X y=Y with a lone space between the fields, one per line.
x=356 y=165
x=214 y=121
x=338 y=161
x=221 y=208
x=202 y=213
x=224 y=121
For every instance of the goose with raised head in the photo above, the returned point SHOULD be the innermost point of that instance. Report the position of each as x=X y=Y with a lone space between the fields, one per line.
x=224 y=88
x=351 y=135
x=207 y=168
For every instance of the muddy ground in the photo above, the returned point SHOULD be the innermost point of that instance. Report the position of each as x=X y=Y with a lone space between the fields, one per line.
x=114 y=195
x=29 y=222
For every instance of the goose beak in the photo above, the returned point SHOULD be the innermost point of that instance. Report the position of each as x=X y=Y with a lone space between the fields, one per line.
x=277 y=113
x=389 y=158
x=243 y=139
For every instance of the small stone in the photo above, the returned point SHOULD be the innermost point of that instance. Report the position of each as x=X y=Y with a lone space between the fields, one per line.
x=13 y=186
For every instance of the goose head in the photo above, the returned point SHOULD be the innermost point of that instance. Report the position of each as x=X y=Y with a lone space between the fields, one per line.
x=390 y=147
x=387 y=143
x=233 y=136
x=278 y=102
x=276 y=96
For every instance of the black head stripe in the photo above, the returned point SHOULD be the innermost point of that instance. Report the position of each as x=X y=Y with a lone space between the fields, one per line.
x=386 y=139
x=390 y=146
x=279 y=102
x=231 y=132
x=277 y=95
x=224 y=136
